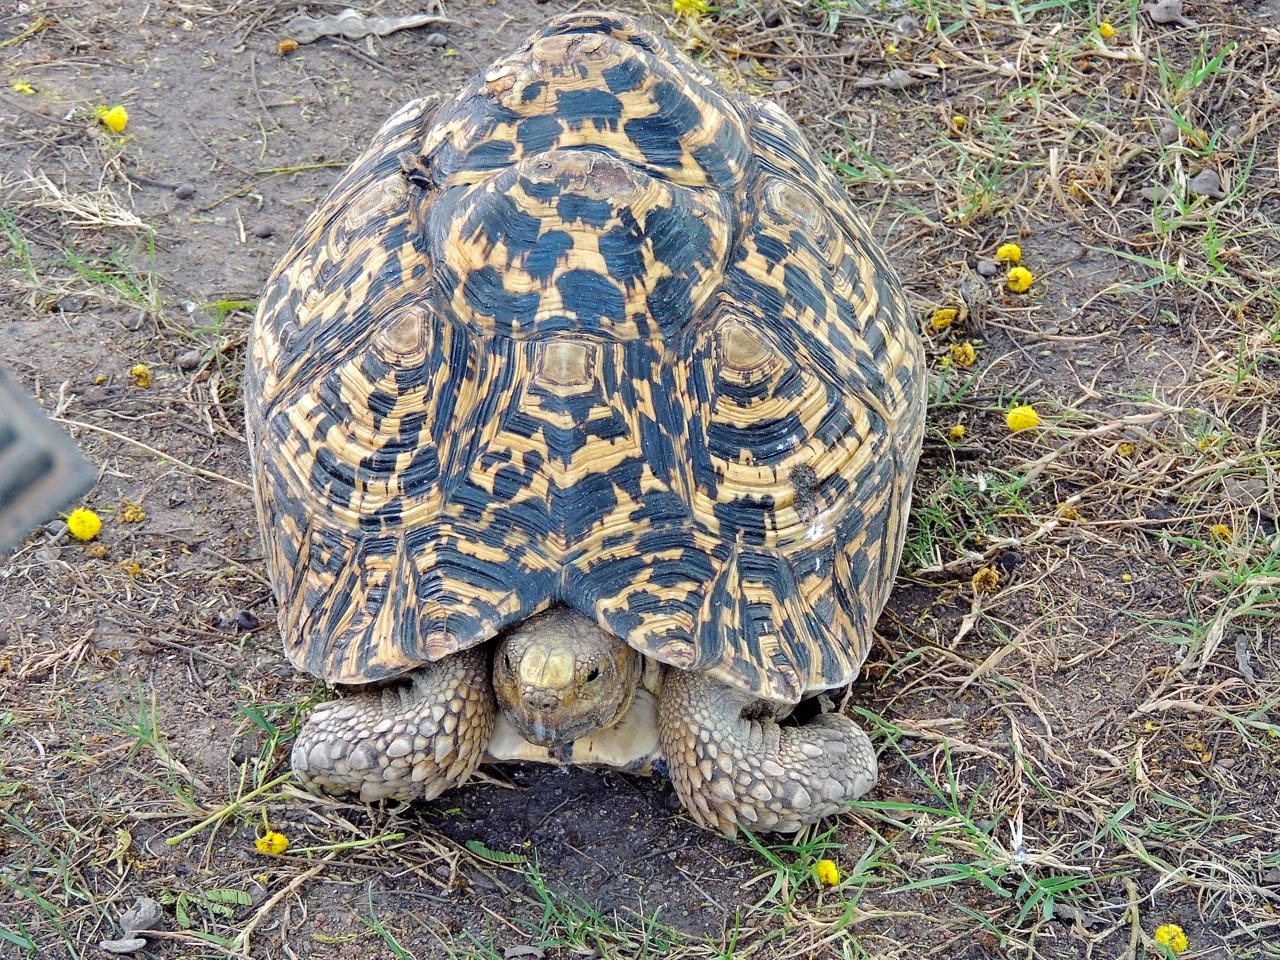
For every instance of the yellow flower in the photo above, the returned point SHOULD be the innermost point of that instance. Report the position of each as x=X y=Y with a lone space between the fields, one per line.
x=1221 y=531
x=691 y=8
x=1207 y=441
x=1106 y=30
x=959 y=122
x=956 y=432
x=272 y=844
x=286 y=46
x=21 y=86
x=942 y=318
x=1022 y=418
x=83 y=524
x=890 y=48
x=1019 y=279
x=115 y=119
x=827 y=872
x=132 y=567
x=963 y=354
x=1172 y=936
x=1009 y=253
x=1068 y=511
x=1126 y=449
x=131 y=513
x=986 y=580
x=141 y=374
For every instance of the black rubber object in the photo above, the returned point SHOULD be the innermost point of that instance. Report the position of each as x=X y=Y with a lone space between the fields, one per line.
x=42 y=471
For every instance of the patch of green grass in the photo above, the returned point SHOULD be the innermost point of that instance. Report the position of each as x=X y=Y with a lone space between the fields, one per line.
x=217 y=312
x=1178 y=85
x=570 y=921
x=116 y=278
x=375 y=924
x=17 y=937
x=861 y=167
x=793 y=864
x=957 y=831
x=278 y=723
x=832 y=13
x=50 y=879
x=19 y=247
x=144 y=730
x=955 y=510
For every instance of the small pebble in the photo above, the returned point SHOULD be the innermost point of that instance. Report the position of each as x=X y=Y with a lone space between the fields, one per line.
x=1008 y=561
x=246 y=620
x=189 y=360
x=1168 y=11
x=263 y=230
x=436 y=40
x=906 y=25
x=145 y=914
x=988 y=267
x=1207 y=183
x=123 y=946
x=1169 y=133
x=184 y=191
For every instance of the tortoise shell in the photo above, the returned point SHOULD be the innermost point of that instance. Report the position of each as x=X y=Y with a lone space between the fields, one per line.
x=596 y=333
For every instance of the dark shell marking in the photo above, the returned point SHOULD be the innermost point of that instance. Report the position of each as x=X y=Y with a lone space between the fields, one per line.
x=596 y=333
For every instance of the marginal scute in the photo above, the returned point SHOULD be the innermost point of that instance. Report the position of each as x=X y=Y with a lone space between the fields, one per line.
x=595 y=333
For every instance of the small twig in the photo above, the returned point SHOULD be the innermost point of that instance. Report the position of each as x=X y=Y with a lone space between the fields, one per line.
x=199 y=471
x=242 y=938
x=228 y=809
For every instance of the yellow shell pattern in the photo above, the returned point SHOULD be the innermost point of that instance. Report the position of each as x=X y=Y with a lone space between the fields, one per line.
x=595 y=333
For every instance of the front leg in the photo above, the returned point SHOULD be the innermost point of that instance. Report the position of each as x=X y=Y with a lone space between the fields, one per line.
x=731 y=771
x=415 y=738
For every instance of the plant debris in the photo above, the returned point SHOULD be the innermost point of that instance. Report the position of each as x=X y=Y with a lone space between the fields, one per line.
x=353 y=25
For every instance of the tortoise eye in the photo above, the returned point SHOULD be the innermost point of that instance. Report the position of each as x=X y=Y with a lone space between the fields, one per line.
x=506 y=661
x=593 y=675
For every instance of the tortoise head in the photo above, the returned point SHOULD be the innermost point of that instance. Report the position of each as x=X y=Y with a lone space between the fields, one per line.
x=559 y=677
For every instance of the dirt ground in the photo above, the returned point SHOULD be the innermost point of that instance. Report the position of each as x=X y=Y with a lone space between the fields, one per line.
x=1076 y=693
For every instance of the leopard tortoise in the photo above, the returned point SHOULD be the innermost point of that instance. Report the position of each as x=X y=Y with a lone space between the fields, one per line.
x=587 y=387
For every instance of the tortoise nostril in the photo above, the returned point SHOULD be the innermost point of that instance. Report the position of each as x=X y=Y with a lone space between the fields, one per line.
x=540 y=699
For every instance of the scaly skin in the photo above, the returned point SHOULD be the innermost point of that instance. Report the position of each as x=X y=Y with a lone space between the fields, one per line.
x=559 y=677
x=730 y=771
x=414 y=739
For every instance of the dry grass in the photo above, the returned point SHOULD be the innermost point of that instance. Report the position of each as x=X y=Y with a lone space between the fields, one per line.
x=1077 y=747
